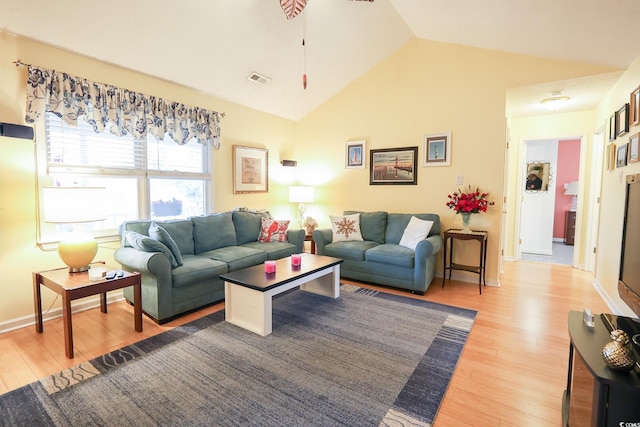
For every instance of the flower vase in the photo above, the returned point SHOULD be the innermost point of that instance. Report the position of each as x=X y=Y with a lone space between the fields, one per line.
x=466 y=221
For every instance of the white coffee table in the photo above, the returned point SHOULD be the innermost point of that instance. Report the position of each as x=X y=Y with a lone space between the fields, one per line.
x=248 y=292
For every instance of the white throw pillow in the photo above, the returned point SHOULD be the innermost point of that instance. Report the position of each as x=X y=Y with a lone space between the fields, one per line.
x=346 y=228
x=416 y=230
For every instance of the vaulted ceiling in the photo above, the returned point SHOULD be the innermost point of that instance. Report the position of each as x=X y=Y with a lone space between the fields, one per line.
x=214 y=45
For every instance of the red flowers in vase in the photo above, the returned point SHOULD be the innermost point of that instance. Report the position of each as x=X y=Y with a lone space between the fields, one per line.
x=470 y=201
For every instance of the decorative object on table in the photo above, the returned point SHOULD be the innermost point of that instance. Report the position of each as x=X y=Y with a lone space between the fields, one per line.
x=301 y=194
x=67 y=206
x=250 y=170
x=468 y=202
x=310 y=224
x=394 y=166
x=296 y=260
x=436 y=150
x=617 y=354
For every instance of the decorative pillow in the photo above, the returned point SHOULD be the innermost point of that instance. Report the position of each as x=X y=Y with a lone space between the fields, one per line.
x=147 y=244
x=416 y=230
x=346 y=228
x=273 y=231
x=160 y=234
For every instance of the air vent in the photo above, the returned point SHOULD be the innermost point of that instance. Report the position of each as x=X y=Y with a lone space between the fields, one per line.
x=258 y=78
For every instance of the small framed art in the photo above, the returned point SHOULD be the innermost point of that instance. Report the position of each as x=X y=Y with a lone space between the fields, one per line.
x=621 y=155
x=250 y=170
x=354 y=155
x=634 y=107
x=611 y=157
x=393 y=166
x=632 y=155
x=613 y=130
x=622 y=115
x=436 y=150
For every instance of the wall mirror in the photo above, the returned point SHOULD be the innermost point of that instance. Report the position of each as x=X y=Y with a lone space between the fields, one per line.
x=538 y=176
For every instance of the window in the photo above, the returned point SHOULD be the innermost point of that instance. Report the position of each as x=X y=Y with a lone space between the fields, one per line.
x=142 y=178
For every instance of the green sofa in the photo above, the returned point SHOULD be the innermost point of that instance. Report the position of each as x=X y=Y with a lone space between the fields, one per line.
x=379 y=258
x=181 y=274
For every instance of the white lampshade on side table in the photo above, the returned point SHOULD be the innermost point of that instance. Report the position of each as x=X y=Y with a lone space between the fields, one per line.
x=74 y=205
x=572 y=190
x=301 y=194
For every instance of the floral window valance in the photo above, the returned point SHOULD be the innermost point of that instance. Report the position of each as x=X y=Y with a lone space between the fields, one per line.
x=129 y=112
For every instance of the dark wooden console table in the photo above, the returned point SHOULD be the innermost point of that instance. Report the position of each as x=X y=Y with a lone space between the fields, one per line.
x=454 y=233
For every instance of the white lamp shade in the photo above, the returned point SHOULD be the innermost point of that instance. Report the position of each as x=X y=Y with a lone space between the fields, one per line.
x=68 y=205
x=572 y=189
x=300 y=194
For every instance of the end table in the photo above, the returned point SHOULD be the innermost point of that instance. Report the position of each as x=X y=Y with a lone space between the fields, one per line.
x=456 y=234
x=72 y=286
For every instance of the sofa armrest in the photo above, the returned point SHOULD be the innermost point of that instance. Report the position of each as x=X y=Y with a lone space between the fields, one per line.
x=296 y=236
x=322 y=237
x=428 y=246
x=425 y=262
x=132 y=259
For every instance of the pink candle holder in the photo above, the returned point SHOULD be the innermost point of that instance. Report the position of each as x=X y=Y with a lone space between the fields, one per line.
x=296 y=260
x=270 y=267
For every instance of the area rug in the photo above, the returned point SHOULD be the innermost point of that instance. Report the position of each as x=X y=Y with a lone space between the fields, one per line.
x=365 y=359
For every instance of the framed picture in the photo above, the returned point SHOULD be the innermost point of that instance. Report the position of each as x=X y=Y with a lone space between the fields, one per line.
x=632 y=155
x=354 y=156
x=621 y=155
x=613 y=130
x=436 y=150
x=623 y=120
x=634 y=107
x=250 y=173
x=611 y=157
x=393 y=166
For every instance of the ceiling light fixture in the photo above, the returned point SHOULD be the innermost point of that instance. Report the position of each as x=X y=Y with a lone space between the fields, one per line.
x=556 y=100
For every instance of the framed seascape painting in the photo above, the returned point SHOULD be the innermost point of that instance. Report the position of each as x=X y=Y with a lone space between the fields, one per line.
x=632 y=155
x=394 y=166
x=436 y=150
x=250 y=170
x=355 y=153
x=621 y=155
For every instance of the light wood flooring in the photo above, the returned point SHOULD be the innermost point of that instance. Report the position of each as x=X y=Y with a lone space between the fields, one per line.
x=512 y=372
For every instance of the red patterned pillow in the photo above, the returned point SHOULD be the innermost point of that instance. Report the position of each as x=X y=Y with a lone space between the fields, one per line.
x=273 y=231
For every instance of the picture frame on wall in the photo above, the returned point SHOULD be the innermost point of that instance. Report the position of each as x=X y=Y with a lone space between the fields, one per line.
x=250 y=170
x=634 y=107
x=355 y=155
x=613 y=131
x=436 y=149
x=632 y=155
x=611 y=157
x=622 y=122
x=621 y=155
x=393 y=166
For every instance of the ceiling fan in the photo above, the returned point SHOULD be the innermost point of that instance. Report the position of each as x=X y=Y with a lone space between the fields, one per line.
x=292 y=8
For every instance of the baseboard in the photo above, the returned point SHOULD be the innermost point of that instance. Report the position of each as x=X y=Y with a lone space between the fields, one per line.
x=616 y=307
x=463 y=276
x=85 y=304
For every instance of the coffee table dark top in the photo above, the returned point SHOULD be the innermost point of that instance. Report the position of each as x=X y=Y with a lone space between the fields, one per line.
x=255 y=277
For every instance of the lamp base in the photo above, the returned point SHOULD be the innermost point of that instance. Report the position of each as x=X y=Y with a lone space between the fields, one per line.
x=77 y=252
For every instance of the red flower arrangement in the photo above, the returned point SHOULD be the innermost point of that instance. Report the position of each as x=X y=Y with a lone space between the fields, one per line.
x=471 y=201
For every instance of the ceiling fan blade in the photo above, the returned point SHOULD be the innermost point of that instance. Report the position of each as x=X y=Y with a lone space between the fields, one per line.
x=292 y=8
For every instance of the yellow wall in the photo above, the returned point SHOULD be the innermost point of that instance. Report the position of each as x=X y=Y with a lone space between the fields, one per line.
x=425 y=87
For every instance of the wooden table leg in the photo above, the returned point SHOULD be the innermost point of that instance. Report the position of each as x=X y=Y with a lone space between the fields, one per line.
x=37 y=302
x=103 y=302
x=68 y=328
x=137 y=306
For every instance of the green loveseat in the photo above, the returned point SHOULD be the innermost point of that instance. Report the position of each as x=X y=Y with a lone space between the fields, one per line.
x=379 y=258
x=205 y=247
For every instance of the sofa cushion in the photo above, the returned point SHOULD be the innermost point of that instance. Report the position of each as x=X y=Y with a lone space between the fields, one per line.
x=247 y=225
x=346 y=228
x=196 y=269
x=349 y=250
x=147 y=244
x=213 y=231
x=182 y=233
x=274 y=250
x=416 y=230
x=397 y=223
x=372 y=225
x=237 y=257
x=391 y=254
x=273 y=231
x=160 y=234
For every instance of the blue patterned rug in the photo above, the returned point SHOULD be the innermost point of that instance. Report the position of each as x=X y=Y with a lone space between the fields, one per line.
x=364 y=359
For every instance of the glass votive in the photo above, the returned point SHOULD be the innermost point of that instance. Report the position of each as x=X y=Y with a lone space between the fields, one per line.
x=296 y=260
x=97 y=273
x=269 y=267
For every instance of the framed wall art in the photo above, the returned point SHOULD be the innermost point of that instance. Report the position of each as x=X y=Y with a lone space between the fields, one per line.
x=250 y=170
x=436 y=150
x=611 y=157
x=632 y=155
x=634 y=107
x=395 y=166
x=621 y=155
x=622 y=115
x=613 y=130
x=355 y=154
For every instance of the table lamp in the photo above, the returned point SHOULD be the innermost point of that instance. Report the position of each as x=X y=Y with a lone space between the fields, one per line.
x=301 y=194
x=572 y=190
x=73 y=205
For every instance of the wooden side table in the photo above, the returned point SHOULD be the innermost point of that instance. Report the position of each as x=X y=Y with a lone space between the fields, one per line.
x=309 y=238
x=72 y=286
x=456 y=234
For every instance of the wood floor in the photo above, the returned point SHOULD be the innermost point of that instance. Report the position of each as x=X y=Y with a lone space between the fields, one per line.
x=512 y=372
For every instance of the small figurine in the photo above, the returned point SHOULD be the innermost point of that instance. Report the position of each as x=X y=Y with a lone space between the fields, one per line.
x=310 y=224
x=617 y=354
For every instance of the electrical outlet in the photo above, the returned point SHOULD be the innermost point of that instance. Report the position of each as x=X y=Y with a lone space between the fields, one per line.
x=459 y=180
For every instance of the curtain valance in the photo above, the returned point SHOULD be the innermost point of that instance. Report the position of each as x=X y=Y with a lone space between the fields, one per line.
x=129 y=112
